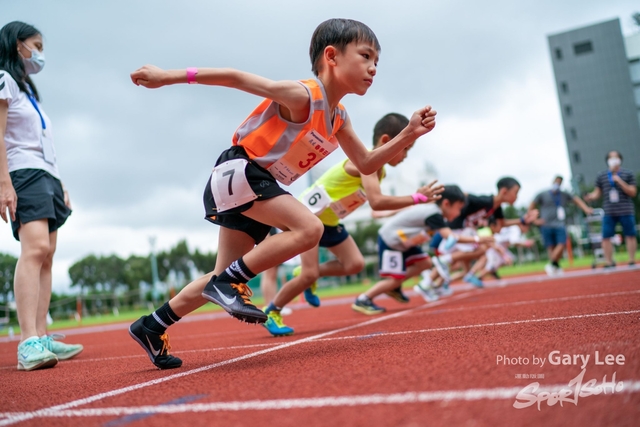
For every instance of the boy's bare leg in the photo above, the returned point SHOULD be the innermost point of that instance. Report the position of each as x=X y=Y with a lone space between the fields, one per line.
x=308 y=275
x=349 y=260
x=302 y=231
x=388 y=284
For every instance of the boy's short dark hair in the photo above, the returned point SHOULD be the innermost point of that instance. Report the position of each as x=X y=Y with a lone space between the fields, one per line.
x=508 y=183
x=339 y=33
x=452 y=193
x=391 y=124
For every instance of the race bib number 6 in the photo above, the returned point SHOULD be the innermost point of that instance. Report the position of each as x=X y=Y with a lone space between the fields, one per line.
x=229 y=185
x=316 y=199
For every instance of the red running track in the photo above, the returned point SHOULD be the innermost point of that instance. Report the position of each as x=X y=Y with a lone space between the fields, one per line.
x=460 y=361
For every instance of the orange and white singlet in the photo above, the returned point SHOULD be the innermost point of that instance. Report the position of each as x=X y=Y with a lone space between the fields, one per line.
x=288 y=150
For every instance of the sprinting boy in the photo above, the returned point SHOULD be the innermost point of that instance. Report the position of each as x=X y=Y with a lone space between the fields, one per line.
x=476 y=212
x=297 y=125
x=337 y=193
x=400 y=244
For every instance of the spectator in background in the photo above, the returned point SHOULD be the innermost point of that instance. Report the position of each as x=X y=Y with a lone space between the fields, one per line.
x=552 y=204
x=617 y=186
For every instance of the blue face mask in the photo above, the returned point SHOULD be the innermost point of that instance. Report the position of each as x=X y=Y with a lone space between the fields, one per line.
x=34 y=64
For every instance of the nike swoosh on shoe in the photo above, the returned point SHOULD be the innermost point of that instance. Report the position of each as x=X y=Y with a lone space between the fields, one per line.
x=226 y=299
x=153 y=350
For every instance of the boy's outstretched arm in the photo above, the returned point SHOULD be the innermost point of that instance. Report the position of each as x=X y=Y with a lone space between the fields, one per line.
x=288 y=93
x=368 y=162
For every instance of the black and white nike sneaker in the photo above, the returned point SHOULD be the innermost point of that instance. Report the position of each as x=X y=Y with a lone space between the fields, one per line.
x=157 y=346
x=234 y=299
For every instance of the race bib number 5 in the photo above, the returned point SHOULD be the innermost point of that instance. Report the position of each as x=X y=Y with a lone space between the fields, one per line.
x=392 y=262
x=316 y=199
x=229 y=185
x=301 y=157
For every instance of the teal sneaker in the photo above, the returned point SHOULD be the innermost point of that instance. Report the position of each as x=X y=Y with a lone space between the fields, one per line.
x=61 y=350
x=275 y=326
x=474 y=280
x=310 y=293
x=33 y=355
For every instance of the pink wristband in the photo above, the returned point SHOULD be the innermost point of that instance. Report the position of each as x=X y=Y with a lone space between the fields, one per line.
x=191 y=75
x=419 y=198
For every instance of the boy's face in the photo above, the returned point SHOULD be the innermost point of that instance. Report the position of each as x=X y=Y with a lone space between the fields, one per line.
x=450 y=210
x=356 y=66
x=399 y=158
x=511 y=195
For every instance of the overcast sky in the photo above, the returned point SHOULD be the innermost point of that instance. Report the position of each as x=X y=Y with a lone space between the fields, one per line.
x=136 y=160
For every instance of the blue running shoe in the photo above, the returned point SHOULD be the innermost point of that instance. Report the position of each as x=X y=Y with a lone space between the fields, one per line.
x=275 y=326
x=470 y=278
x=309 y=293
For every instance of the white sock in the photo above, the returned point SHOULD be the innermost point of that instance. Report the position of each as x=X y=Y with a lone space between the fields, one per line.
x=446 y=258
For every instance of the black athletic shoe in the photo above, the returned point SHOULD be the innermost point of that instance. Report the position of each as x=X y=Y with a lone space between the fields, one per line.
x=157 y=346
x=397 y=295
x=234 y=298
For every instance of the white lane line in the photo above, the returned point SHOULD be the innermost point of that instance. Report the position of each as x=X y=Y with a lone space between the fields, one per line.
x=499 y=393
x=116 y=392
x=484 y=325
x=534 y=301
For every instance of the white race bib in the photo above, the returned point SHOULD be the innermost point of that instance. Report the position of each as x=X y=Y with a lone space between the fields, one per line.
x=316 y=199
x=348 y=204
x=560 y=213
x=392 y=262
x=614 y=197
x=301 y=157
x=229 y=185
x=48 y=151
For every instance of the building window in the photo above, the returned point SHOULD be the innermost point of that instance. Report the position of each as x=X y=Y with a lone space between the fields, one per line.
x=558 y=53
x=576 y=157
x=568 y=110
x=573 y=133
x=564 y=87
x=583 y=47
x=634 y=67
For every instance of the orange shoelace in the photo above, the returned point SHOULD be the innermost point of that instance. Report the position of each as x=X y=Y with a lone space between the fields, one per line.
x=166 y=347
x=244 y=291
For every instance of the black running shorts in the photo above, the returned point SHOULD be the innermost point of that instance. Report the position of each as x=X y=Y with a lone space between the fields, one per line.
x=40 y=196
x=263 y=185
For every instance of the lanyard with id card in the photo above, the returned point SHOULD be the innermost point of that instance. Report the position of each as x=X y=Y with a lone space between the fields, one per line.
x=301 y=157
x=614 y=196
x=46 y=138
x=557 y=199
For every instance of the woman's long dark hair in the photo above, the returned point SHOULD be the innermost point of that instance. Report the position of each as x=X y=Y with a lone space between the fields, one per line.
x=10 y=61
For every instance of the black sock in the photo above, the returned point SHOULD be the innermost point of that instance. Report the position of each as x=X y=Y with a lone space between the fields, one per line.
x=555 y=264
x=161 y=319
x=237 y=272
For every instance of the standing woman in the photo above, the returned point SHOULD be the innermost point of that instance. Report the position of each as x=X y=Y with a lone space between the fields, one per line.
x=31 y=190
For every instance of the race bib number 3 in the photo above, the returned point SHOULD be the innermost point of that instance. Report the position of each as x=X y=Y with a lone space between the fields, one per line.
x=301 y=157
x=346 y=205
x=392 y=262
x=229 y=185
x=316 y=200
